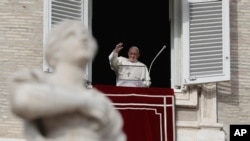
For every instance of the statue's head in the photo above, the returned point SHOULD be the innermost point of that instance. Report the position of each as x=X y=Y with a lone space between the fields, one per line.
x=70 y=42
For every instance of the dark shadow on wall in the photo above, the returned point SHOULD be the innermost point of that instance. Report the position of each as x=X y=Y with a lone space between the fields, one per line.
x=134 y=22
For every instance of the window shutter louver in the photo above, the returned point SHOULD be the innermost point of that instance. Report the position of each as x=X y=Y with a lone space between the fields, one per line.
x=206 y=45
x=66 y=9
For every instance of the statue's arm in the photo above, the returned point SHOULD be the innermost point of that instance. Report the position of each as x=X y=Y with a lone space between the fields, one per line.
x=32 y=132
x=97 y=106
x=32 y=101
x=112 y=122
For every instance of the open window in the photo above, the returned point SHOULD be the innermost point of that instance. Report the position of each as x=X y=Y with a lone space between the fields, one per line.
x=134 y=22
x=196 y=33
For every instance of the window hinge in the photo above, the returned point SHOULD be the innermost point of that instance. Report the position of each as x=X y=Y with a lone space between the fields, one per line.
x=193 y=78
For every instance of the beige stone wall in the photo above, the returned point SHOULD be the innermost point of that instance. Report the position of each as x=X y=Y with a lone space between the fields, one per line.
x=234 y=106
x=21 y=32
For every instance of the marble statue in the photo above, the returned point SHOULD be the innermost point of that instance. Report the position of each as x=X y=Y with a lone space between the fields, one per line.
x=56 y=106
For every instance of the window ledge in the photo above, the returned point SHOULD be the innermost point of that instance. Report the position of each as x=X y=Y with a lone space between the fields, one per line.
x=187 y=98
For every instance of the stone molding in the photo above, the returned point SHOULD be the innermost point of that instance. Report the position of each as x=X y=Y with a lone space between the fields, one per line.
x=187 y=97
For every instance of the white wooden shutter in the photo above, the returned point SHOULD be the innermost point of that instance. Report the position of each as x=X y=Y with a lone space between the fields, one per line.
x=205 y=41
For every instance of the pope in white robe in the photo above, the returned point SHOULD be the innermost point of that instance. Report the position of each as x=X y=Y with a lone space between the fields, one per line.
x=129 y=71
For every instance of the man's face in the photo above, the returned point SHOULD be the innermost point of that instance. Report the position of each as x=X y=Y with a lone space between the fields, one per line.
x=133 y=54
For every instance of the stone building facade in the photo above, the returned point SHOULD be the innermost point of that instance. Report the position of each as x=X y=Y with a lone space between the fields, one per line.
x=233 y=100
x=21 y=32
x=207 y=106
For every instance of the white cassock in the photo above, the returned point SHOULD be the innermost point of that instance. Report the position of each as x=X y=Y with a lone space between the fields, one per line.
x=130 y=74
